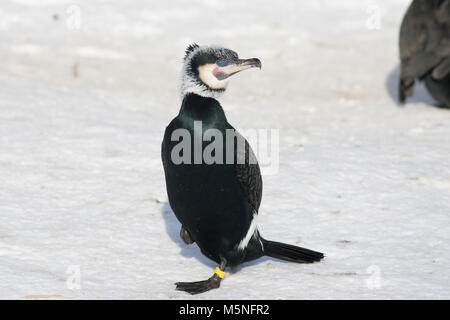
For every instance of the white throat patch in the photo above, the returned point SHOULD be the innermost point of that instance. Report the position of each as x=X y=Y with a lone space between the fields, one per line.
x=205 y=73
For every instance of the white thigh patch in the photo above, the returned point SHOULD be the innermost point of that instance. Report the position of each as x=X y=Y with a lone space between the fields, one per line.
x=251 y=230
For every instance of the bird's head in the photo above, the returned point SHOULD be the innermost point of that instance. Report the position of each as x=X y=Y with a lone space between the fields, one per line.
x=207 y=69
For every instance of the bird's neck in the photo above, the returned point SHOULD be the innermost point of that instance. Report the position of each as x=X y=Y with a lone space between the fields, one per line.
x=198 y=108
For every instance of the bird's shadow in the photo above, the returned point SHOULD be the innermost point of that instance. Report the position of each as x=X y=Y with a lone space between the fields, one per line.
x=420 y=94
x=173 y=227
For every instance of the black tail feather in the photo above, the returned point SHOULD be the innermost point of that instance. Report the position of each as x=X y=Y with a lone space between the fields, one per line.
x=289 y=252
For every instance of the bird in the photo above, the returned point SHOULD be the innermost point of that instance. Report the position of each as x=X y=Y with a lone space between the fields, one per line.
x=425 y=49
x=216 y=202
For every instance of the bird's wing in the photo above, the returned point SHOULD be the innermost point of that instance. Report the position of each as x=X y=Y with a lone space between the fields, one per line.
x=163 y=150
x=420 y=39
x=248 y=173
x=443 y=68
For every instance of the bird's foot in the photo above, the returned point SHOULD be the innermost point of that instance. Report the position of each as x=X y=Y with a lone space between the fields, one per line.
x=185 y=236
x=199 y=286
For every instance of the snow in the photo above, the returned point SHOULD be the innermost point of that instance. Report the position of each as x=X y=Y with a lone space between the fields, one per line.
x=87 y=91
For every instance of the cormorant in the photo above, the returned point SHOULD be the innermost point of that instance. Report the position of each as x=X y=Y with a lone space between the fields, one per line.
x=425 y=49
x=216 y=201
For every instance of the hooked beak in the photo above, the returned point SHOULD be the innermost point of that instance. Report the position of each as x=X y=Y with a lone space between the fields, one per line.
x=237 y=66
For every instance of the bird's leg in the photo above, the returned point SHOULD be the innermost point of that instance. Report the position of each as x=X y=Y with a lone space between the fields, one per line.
x=185 y=236
x=205 y=285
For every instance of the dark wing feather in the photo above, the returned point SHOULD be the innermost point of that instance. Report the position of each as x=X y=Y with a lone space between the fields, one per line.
x=249 y=174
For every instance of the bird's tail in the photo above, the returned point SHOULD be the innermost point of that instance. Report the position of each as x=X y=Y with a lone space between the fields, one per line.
x=289 y=252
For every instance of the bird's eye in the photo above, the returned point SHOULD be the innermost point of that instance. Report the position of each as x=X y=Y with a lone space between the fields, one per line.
x=220 y=63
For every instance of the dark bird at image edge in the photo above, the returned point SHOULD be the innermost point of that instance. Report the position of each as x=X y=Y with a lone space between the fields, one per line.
x=425 y=49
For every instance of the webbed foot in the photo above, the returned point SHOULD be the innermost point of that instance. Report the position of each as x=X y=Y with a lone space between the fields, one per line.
x=199 y=286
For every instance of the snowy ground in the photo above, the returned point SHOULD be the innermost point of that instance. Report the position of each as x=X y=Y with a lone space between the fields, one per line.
x=83 y=206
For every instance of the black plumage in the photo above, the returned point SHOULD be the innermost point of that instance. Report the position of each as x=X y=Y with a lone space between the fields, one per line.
x=425 y=49
x=217 y=203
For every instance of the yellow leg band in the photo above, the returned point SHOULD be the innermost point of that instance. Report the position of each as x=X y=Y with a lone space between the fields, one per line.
x=219 y=272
